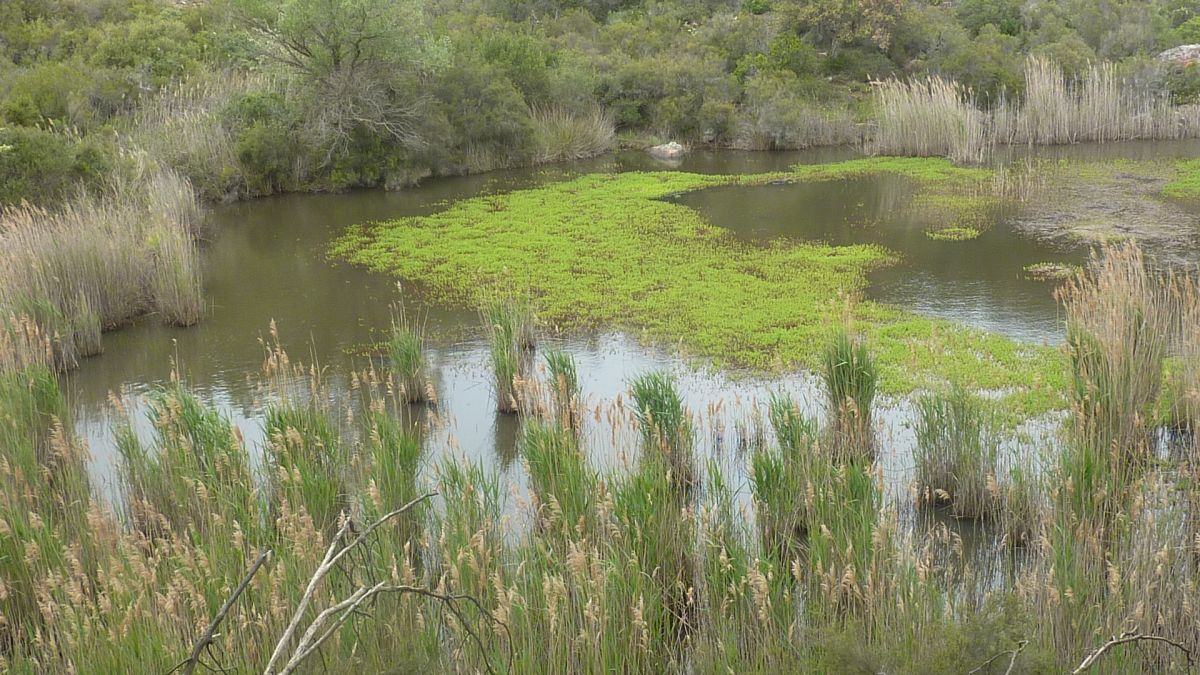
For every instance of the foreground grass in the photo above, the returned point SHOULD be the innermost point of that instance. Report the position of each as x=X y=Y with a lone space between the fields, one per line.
x=607 y=250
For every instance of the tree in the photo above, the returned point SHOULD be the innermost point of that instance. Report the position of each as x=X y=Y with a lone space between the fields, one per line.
x=357 y=58
x=847 y=22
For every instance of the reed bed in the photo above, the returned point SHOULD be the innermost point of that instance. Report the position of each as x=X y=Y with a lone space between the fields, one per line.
x=957 y=453
x=936 y=117
x=561 y=134
x=183 y=126
x=666 y=427
x=850 y=379
x=101 y=260
x=619 y=569
x=1119 y=326
x=406 y=359
x=509 y=325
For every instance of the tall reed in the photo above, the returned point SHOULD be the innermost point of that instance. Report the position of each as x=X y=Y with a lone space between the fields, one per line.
x=957 y=450
x=406 y=358
x=562 y=134
x=509 y=325
x=937 y=117
x=1119 y=322
x=849 y=378
x=666 y=426
x=101 y=260
x=565 y=393
x=931 y=117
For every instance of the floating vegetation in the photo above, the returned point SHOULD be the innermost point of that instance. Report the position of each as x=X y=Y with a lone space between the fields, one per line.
x=953 y=233
x=607 y=250
x=1051 y=271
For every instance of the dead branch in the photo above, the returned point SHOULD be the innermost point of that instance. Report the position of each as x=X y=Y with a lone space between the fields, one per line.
x=1124 y=638
x=188 y=665
x=332 y=556
x=329 y=620
x=344 y=610
x=1012 y=661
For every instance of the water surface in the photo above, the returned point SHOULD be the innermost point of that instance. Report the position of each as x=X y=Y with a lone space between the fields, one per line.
x=266 y=260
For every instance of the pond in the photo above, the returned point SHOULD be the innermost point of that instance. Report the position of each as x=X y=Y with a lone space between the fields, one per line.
x=268 y=261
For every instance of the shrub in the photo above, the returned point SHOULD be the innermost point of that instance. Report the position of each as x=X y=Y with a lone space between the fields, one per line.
x=41 y=166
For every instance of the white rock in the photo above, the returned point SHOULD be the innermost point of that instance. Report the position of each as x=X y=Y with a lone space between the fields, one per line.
x=1182 y=55
x=670 y=150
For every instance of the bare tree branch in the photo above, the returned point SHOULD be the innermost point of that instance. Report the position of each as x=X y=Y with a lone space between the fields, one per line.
x=1012 y=662
x=317 y=631
x=188 y=666
x=1127 y=637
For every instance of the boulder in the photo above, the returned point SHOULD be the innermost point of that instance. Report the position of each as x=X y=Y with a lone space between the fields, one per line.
x=1183 y=55
x=670 y=150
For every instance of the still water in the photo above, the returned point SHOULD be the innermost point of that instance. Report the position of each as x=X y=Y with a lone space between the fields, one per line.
x=266 y=261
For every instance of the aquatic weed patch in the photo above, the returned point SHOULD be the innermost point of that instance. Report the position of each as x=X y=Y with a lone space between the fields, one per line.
x=607 y=250
x=1186 y=182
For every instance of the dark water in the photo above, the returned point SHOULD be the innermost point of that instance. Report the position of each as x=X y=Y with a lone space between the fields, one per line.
x=979 y=281
x=266 y=261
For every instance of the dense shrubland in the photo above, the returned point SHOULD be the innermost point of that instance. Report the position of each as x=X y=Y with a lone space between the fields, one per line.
x=247 y=97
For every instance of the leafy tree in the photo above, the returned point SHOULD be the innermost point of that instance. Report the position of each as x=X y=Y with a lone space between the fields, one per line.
x=358 y=58
x=1005 y=15
x=850 y=22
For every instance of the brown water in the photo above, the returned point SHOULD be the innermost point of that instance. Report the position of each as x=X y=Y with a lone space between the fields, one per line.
x=267 y=260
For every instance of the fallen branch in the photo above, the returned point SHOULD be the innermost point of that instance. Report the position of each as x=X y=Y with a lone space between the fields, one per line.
x=206 y=639
x=329 y=620
x=1012 y=662
x=1127 y=637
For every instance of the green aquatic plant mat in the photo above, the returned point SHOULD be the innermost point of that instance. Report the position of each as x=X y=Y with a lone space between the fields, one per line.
x=606 y=250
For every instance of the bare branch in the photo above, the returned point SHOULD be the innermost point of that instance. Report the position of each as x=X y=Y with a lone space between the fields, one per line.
x=333 y=556
x=1012 y=662
x=1127 y=637
x=188 y=666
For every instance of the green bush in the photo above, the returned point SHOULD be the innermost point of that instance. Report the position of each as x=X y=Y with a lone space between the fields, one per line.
x=156 y=47
x=524 y=60
x=265 y=140
x=1184 y=84
x=39 y=166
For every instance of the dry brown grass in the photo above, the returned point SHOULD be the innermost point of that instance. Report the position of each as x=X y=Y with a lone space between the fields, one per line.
x=100 y=260
x=936 y=117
